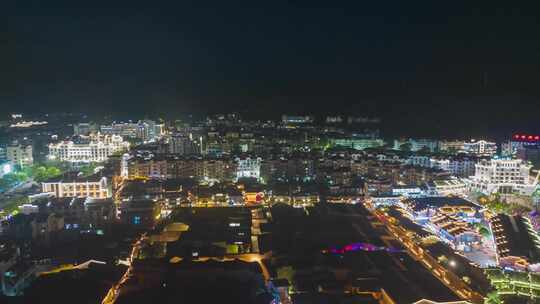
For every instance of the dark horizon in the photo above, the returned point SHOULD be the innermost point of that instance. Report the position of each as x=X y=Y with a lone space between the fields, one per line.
x=447 y=69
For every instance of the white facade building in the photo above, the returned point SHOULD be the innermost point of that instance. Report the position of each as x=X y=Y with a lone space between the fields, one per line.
x=20 y=154
x=248 y=167
x=446 y=187
x=98 y=149
x=458 y=166
x=480 y=148
x=451 y=145
x=503 y=176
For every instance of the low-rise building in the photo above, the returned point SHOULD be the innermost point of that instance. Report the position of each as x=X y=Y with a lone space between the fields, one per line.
x=517 y=244
x=77 y=186
x=446 y=187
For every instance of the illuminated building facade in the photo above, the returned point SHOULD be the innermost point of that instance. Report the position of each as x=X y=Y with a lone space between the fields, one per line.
x=480 y=148
x=97 y=149
x=248 y=167
x=417 y=144
x=523 y=146
x=288 y=119
x=74 y=186
x=146 y=130
x=451 y=145
x=358 y=143
x=183 y=145
x=503 y=176
x=20 y=153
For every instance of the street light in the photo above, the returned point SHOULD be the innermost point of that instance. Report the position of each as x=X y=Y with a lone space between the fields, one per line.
x=452 y=263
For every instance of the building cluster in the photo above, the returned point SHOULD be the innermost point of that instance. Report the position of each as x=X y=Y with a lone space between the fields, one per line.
x=245 y=172
x=472 y=147
x=48 y=219
x=143 y=130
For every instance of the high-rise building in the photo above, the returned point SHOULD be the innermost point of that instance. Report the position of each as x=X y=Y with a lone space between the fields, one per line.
x=20 y=153
x=146 y=130
x=183 y=145
x=523 y=146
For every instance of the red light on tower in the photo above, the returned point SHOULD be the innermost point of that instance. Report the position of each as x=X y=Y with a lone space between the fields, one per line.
x=537 y=137
x=530 y=137
x=516 y=136
x=523 y=136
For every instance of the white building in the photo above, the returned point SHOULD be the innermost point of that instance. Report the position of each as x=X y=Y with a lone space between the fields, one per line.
x=503 y=176
x=446 y=187
x=451 y=145
x=480 y=148
x=358 y=143
x=97 y=149
x=19 y=153
x=75 y=186
x=248 y=167
x=461 y=166
x=417 y=144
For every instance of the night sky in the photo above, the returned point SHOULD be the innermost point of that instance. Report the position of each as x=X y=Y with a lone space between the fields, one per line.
x=425 y=67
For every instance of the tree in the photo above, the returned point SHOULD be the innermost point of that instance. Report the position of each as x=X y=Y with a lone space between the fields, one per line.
x=484 y=232
x=493 y=298
x=405 y=147
x=424 y=150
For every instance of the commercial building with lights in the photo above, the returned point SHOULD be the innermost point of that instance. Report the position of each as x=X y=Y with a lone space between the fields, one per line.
x=248 y=167
x=358 y=143
x=480 y=148
x=457 y=165
x=446 y=187
x=288 y=119
x=503 y=176
x=517 y=244
x=98 y=148
x=417 y=144
x=451 y=145
x=455 y=231
x=523 y=146
x=145 y=130
x=77 y=186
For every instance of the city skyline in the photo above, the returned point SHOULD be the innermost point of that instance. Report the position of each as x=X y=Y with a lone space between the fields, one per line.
x=282 y=152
